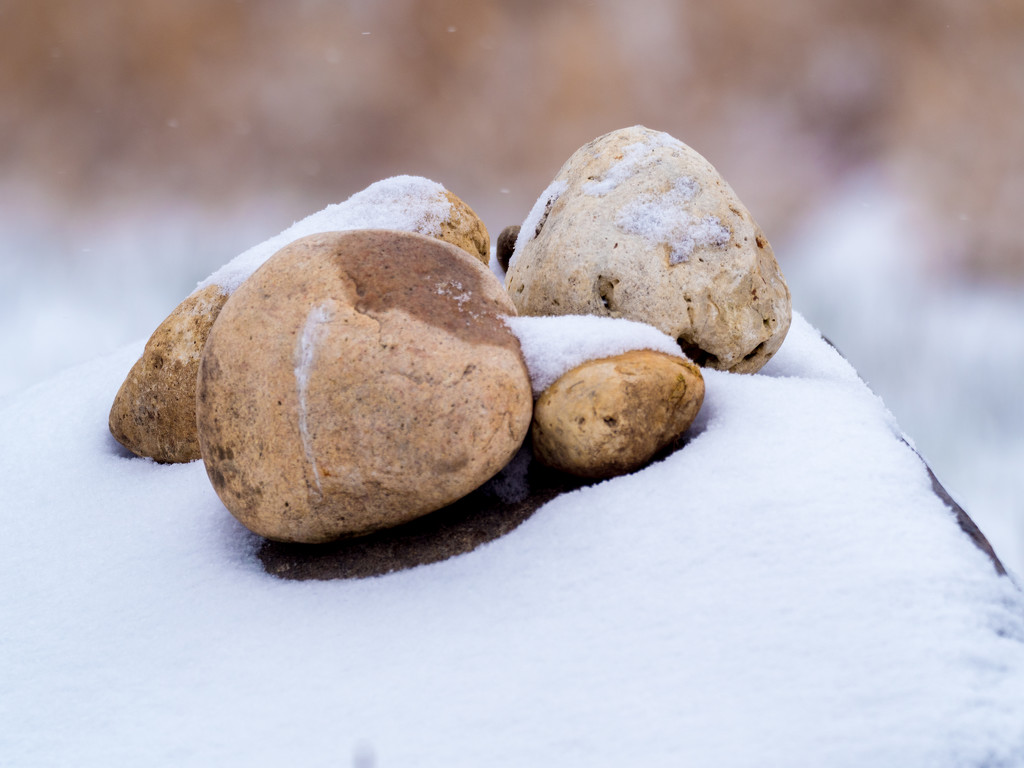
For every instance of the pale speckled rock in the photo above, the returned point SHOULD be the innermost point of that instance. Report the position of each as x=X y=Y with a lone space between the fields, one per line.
x=638 y=225
x=359 y=380
x=611 y=416
x=153 y=414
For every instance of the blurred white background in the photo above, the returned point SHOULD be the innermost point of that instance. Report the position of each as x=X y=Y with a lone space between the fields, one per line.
x=879 y=146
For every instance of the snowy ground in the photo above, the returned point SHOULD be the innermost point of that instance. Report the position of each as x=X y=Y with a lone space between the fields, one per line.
x=768 y=595
x=946 y=356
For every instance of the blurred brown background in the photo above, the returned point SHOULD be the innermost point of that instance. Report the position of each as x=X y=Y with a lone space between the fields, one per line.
x=143 y=143
x=110 y=105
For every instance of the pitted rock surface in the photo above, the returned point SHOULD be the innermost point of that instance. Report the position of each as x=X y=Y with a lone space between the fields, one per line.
x=638 y=225
x=610 y=416
x=357 y=381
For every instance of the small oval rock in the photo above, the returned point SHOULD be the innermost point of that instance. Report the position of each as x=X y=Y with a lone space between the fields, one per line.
x=611 y=416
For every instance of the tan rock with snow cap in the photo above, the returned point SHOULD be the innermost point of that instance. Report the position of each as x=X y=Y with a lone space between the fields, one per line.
x=359 y=380
x=611 y=416
x=638 y=225
x=154 y=412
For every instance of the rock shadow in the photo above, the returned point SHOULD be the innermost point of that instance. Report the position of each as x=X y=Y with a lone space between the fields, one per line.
x=493 y=510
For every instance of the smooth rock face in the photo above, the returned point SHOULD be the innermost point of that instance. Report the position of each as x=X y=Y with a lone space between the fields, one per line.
x=610 y=416
x=154 y=412
x=356 y=381
x=636 y=224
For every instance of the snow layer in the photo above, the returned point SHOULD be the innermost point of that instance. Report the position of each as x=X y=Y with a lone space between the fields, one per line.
x=553 y=346
x=408 y=203
x=785 y=590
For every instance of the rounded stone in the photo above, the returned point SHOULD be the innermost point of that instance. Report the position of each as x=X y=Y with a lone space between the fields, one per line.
x=611 y=416
x=464 y=229
x=506 y=245
x=638 y=225
x=153 y=413
x=356 y=381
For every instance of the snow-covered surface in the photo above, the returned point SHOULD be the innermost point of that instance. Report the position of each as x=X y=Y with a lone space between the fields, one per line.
x=785 y=590
x=946 y=355
x=553 y=346
x=407 y=203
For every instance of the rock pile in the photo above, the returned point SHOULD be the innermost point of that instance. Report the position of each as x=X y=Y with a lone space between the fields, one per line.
x=365 y=367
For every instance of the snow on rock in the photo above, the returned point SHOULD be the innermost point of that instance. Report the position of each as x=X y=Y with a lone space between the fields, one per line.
x=635 y=159
x=408 y=203
x=784 y=590
x=535 y=218
x=553 y=346
x=660 y=218
x=663 y=219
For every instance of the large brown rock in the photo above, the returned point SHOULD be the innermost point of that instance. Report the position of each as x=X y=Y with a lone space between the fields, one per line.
x=638 y=225
x=357 y=381
x=610 y=416
x=154 y=412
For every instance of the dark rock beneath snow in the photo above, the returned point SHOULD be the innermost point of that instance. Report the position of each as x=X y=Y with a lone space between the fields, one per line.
x=967 y=525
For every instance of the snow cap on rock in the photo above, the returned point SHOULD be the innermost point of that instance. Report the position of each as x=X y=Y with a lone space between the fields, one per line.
x=407 y=203
x=552 y=346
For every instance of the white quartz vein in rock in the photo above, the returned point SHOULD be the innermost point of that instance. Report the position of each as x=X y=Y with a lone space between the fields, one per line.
x=305 y=352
